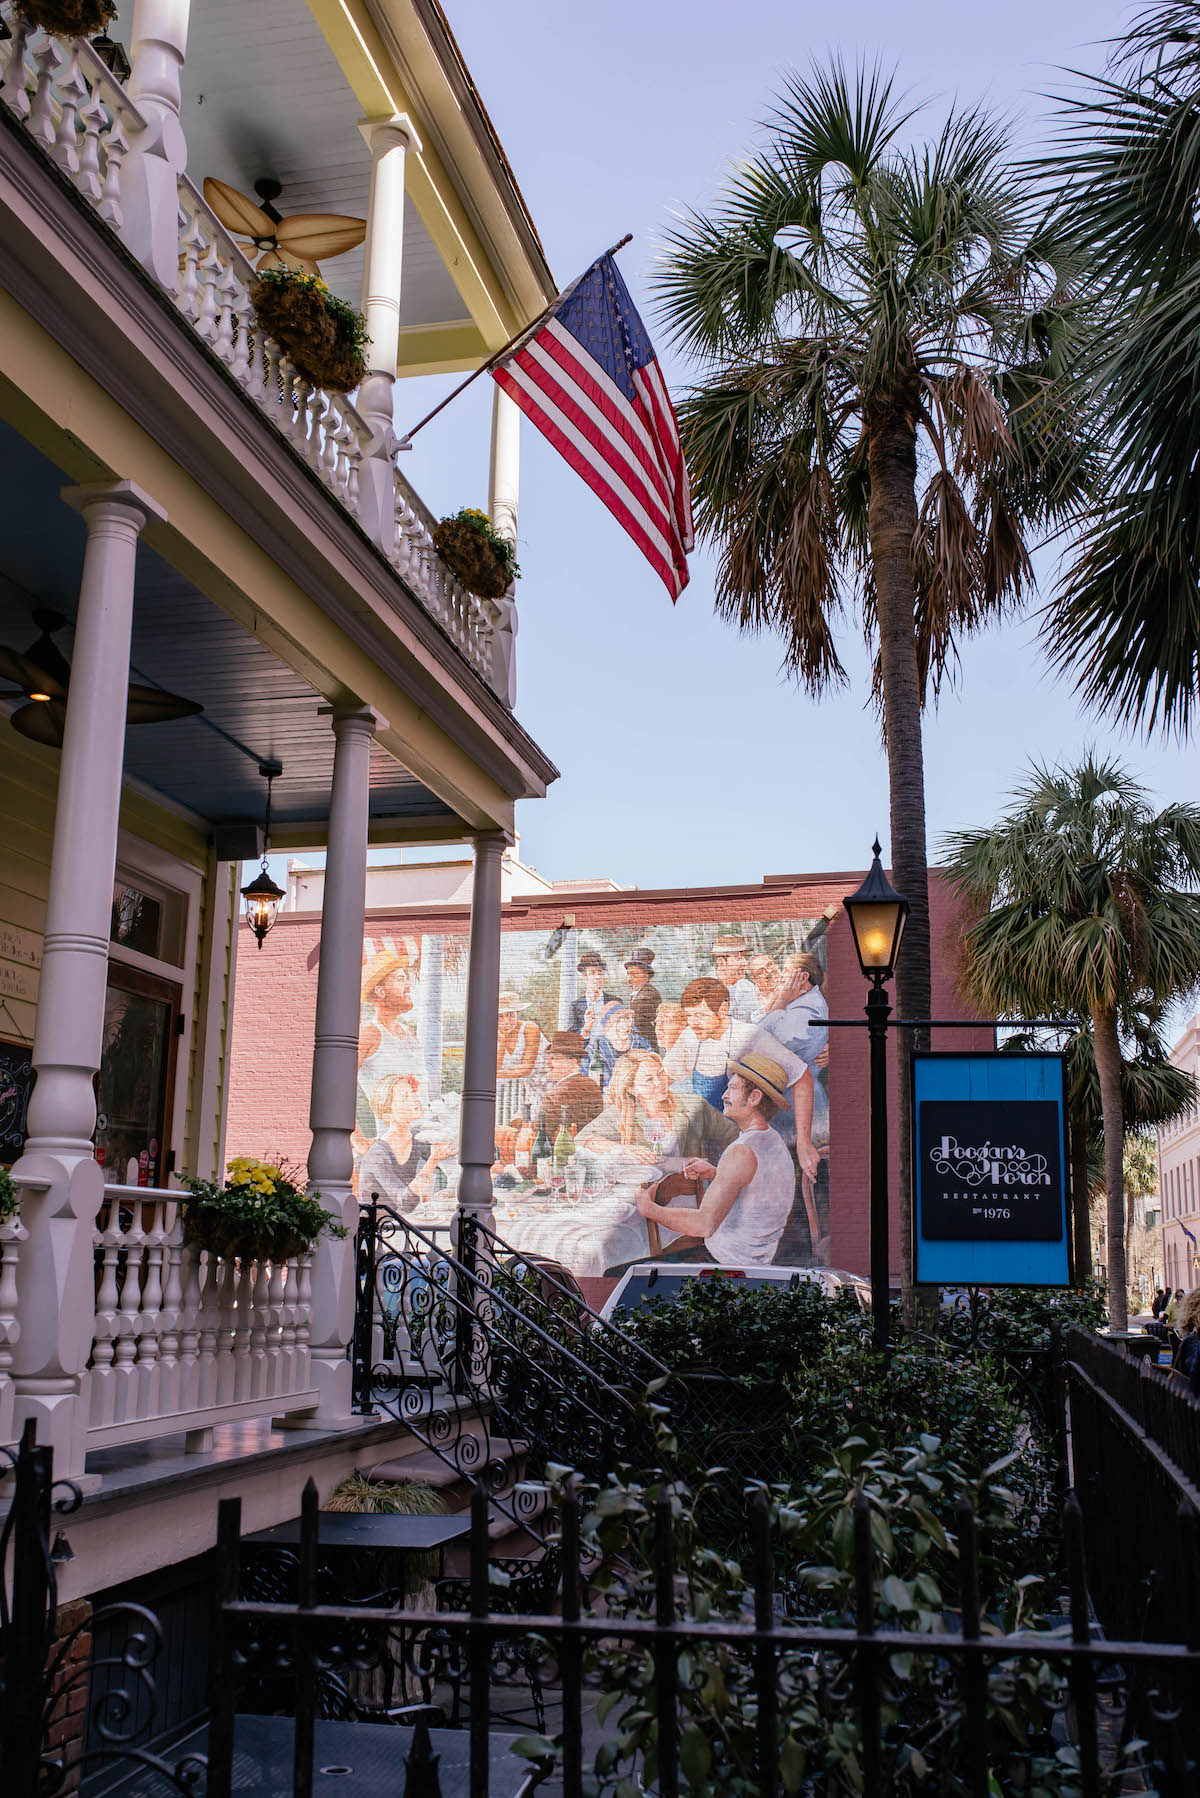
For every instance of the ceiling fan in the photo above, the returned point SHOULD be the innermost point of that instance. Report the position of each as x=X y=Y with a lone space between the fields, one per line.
x=43 y=674
x=278 y=242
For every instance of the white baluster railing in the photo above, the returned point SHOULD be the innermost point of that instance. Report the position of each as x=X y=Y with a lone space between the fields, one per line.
x=12 y=1234
x=183 y=1339
x=466 y=619
x=74 y=107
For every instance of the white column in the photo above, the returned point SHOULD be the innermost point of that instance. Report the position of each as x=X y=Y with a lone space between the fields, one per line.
x=157 y=158
x=335 y=1057
x=477 y=1142
x=504 y=479
x=433 y=973
x=388 y=139
x=568 y=977
x=56 y=1300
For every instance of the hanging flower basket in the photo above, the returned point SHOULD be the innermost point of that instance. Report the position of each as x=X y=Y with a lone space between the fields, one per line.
x=482 y=559
x=10 y=1197
x=323 y=336
x=68 y=18
x=260 y=1214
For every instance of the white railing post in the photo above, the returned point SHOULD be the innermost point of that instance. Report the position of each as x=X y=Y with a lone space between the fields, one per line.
x=504 y=477
x=158 y=156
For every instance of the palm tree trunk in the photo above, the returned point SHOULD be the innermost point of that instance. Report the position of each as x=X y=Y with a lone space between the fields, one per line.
x=1112 y=1115
x=1081 y=1213
x=892 y=524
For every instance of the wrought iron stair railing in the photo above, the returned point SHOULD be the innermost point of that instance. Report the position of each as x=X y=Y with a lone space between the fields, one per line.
x=488 y=1369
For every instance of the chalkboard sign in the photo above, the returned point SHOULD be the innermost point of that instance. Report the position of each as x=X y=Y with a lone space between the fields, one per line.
x=989 y=1165
x=16 y=1084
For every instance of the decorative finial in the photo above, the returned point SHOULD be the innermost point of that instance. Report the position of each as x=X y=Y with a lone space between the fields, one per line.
x=875 y=845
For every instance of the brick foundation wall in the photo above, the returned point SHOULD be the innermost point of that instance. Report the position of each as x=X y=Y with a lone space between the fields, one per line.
x=276 y=997
x=68 y=1719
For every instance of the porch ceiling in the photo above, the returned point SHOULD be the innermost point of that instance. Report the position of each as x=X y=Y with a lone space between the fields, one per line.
x=255 y=707
x=263 y=94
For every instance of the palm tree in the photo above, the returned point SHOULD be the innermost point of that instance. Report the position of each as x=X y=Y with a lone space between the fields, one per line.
x=1153 y=1092
x=882 y=409
x=1124 y=172
x=1083 y=891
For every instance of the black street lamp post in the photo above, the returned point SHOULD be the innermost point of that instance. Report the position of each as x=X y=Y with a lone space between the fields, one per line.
x=877 y=915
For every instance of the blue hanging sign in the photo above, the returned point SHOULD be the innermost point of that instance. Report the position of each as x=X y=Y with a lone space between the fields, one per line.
x=990 y=1170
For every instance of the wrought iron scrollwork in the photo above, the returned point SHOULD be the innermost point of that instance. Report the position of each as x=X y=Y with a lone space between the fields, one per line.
x=490 y=1359
x=40 y=1674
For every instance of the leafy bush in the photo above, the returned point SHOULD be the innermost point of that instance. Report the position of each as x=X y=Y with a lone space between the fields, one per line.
x=1020 y=1317
x=754 y=1334
x=908 y=1491
x=9 y=1196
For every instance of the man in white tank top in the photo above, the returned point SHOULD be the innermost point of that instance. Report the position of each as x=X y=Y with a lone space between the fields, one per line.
x=743 y=1213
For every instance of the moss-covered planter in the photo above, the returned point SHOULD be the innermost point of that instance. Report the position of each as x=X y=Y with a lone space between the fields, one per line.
x=324 y=337
x=68 y=18
x=480 y=557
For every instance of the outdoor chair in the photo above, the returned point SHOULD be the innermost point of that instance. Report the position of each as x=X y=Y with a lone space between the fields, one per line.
x=532 y=1588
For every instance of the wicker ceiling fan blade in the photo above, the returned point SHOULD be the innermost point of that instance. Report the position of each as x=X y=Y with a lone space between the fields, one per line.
x=315 y=235
x=235 y=211
x=272 y=259
x=153 y=705
x=289 y=259
x=41 y=723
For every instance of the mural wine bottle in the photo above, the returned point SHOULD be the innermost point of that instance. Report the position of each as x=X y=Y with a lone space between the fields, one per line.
x=597 y=1068
x=523 y=1148
x=543 y=1153
x=564 y=1148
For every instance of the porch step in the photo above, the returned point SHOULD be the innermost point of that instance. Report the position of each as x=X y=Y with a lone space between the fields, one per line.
x=424 y=1465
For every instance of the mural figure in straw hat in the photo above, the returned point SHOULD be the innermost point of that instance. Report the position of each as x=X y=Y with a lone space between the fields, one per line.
x=387 y=1043
x=742 y=1216
x=520 y=1049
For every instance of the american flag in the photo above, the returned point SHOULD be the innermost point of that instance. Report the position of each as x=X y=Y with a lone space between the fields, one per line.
x=589 y=379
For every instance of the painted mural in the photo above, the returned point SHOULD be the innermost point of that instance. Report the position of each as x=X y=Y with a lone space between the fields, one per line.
x=661 y=1093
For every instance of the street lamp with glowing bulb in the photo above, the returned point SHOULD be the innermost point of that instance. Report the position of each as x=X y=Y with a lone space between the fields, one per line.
x=877 y=914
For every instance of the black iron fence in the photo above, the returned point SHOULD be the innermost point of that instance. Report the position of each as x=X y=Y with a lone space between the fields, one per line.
x=794 y=1676
x=765 y=1698
x=1135 y=1450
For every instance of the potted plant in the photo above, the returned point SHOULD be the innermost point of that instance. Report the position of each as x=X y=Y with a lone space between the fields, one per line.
x=324 y=337
x=259 y=1214
x=474 y=550
x=68 y=18
x=10 y=1198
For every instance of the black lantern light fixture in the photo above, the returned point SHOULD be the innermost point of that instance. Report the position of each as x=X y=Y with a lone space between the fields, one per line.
x=262 y=896
x=877 y=915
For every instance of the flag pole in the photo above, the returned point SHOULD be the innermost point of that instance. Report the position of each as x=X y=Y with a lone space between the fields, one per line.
x=406 y=441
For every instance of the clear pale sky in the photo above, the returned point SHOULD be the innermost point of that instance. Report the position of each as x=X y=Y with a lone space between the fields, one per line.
x=685 y=759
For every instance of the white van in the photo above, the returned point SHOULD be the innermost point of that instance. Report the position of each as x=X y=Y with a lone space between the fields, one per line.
x=659 y=1280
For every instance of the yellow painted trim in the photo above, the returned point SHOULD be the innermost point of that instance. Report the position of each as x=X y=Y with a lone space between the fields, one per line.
x=69 y=417
x=356 y=42
x=448 y=349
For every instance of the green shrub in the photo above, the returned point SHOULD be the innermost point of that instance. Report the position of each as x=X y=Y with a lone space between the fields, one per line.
x=908 y=1490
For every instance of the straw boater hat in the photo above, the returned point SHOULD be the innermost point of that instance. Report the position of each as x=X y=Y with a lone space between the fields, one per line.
x=404 y=953
x=765 y=1074
x=729 y=945
x=511 y=1002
